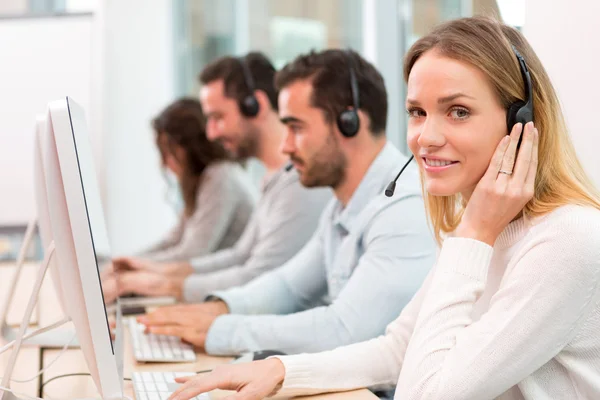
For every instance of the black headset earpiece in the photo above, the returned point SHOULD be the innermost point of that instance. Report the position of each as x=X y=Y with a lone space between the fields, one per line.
x=521 y=111
x=249 y=106
x=348 y=121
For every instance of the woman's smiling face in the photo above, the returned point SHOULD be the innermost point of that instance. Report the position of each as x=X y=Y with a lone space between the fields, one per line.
x=455 y=123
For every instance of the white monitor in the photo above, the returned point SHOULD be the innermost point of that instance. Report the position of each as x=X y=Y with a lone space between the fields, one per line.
x=54 y=335
x=77 y=224
x=41 y=201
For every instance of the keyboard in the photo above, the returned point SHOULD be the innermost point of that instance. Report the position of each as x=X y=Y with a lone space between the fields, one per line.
x=159 y=385
x=148 y=347
x=132 y=300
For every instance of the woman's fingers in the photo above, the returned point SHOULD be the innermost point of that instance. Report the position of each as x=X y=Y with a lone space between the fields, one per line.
x=496 y=162
x=508 y=162
x=532 y=171
x=524 y=158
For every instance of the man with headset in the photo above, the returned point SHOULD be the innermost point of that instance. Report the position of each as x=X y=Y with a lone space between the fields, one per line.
x=239 y=100
x=370 y=253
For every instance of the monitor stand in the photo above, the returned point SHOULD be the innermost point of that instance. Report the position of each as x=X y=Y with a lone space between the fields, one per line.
x=57 y=338
x=21 y=334
x=18 y=342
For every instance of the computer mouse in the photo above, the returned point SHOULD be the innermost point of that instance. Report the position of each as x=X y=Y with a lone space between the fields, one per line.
x=257 y=355
x=261 y=355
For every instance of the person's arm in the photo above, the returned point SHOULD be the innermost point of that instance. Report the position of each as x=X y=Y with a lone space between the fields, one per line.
x=546 y=294
x=236 y=255
x=375 y=363
x=247 y=292
x=217 y=202
x=287 y=289
x=291 y=220
x=399 y=251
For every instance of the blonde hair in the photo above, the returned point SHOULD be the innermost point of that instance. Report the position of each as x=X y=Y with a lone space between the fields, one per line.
x=486 y=44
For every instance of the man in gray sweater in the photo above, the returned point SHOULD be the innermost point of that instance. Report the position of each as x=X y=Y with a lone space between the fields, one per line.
x=370 y=253
x=239 y=100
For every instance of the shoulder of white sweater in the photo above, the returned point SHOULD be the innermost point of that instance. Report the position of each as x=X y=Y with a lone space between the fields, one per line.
x=571 y=233
x=575 y=219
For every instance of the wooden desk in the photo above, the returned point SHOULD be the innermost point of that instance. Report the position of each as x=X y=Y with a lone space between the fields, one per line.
x=29 y=360
x=24 y=286
x=28 y=364
x=72 y=361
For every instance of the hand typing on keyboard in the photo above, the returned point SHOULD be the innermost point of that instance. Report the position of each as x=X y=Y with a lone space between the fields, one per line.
x=149 y=278
x=159 y=385
x=148 y=283
x=148 y=347
x=252 y=381
x=182 y=269
x=189 y=322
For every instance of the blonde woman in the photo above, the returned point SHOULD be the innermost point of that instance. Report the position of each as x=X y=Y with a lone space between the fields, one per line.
x=512 y=308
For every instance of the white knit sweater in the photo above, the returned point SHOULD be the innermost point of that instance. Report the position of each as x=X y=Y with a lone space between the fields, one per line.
x=520 y=320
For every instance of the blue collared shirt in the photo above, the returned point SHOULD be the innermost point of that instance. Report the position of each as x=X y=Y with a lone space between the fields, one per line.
x=356 y=274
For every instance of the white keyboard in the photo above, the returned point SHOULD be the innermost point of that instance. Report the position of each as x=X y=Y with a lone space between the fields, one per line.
x=159 y=385
x=148 y=347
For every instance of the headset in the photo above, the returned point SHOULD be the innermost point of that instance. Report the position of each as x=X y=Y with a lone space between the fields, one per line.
x=348 y=121
x=248 y=106
x=519 y=111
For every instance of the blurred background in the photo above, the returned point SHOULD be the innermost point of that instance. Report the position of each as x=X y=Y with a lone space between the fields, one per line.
x=124 y=60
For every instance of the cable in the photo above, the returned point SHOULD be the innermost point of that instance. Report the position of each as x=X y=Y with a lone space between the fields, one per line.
x=68 y=375
x=25 y=396
x=36 y=332
x=88 y=374
x=64 y=349
x=20 y=395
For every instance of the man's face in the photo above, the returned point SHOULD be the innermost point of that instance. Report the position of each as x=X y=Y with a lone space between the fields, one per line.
x=226 y=124
x=311 y=141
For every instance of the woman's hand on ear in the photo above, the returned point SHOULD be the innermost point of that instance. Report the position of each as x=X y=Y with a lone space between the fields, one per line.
x=505 y=189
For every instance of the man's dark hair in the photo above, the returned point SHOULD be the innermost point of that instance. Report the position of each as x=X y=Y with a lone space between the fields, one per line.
x=329 y=72
x=230 y=70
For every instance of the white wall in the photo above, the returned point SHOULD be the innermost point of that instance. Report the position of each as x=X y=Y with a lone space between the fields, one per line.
x=42 y=59
x=138 y=81
x=383 y=46
x=566 y=36
x=13 y=6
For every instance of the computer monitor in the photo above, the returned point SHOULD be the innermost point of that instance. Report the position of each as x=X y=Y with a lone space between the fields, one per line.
x=59 y=335
x=41 y=199
x=76 y=225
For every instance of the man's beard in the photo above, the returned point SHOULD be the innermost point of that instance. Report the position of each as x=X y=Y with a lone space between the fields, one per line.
x=248 y=145
x=327 y=167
